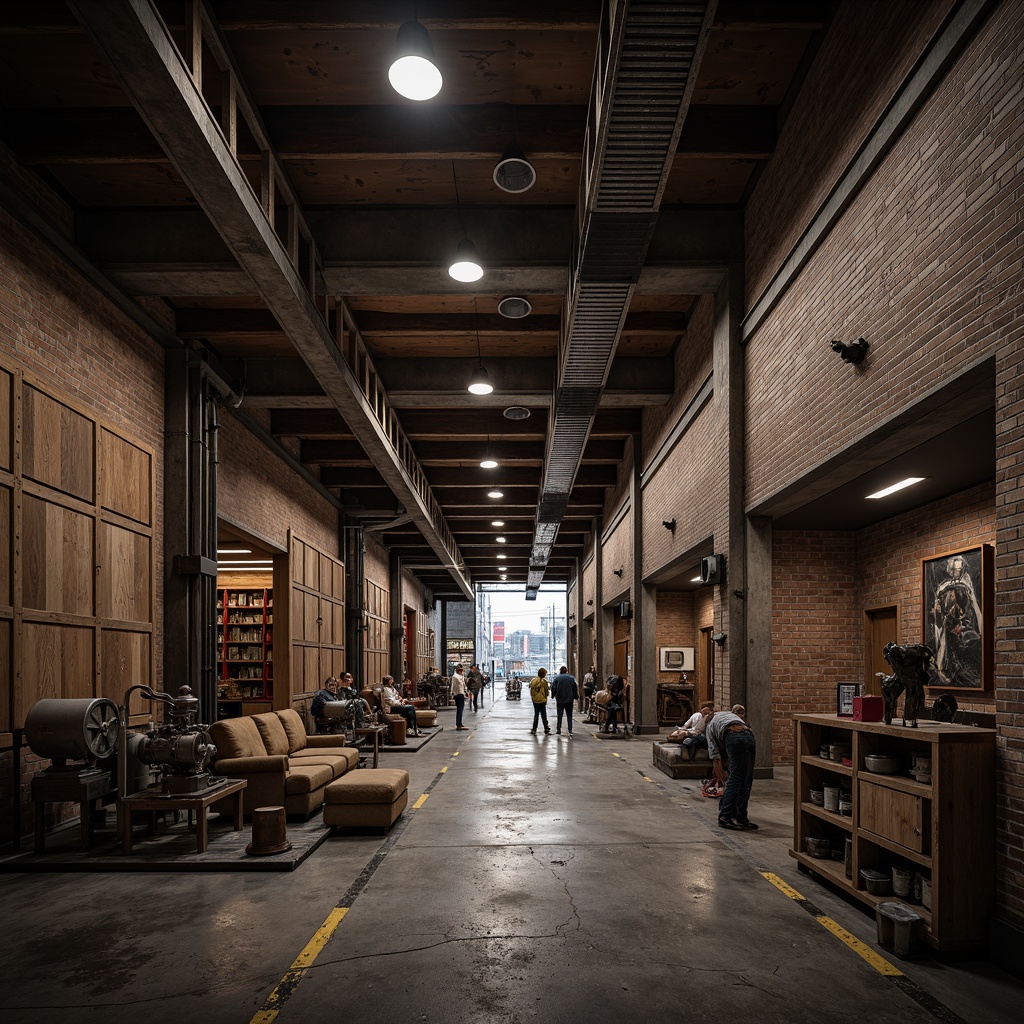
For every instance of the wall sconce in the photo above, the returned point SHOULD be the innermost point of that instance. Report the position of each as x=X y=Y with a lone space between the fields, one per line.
x=590 y=603
x=670 y=525
x=617 y=572
x=852 y=352
x=719 y=638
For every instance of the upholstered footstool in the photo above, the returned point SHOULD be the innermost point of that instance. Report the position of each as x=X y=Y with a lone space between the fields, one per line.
x=426 y=718
x=371 y=796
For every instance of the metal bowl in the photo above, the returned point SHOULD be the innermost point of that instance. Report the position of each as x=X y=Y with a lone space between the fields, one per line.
x=820 y=848
x=883 y=764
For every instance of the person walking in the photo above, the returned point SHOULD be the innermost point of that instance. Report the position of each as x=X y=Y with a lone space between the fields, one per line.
x=539 y=696
x=565 y=691
x=459 y=692
x=729 y=734
x=475 y=682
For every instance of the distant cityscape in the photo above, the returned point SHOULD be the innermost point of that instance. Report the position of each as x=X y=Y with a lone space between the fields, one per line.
x=503 y=651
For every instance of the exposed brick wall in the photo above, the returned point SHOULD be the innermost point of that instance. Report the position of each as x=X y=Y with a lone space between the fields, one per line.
x=261 y=493
x=676 y=627
x=925 y=264
x=618 y=554
x=869 y=49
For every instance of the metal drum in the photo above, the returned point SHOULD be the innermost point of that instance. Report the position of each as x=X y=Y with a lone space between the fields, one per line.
x=72 y=729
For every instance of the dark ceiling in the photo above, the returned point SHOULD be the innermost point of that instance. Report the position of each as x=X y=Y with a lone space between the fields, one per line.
x=363 y=374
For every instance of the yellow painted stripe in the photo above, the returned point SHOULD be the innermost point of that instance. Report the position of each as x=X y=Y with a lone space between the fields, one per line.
x=456 y=754
x=782 y=886
x=272 y=1007
x=879 y=963
x=647 y=778
x=444 y=769
x=615 y=755
x=419 y=803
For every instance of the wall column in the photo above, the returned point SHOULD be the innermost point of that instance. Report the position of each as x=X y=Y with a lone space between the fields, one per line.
x=758 y=605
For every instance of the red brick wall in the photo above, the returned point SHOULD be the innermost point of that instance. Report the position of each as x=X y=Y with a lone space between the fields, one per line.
x=261 y=493
x=822 y=582
x=925 y=264
x=676 y=627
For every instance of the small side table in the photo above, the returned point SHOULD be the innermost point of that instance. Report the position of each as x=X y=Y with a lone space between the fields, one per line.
x=376 y=731
x=85 y=789
x=154 y=800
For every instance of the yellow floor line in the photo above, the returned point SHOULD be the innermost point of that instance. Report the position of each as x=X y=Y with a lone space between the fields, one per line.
x=270 y=1009
x=647 y=778
x=879 y=963
x=444 y=769
x=419 y=803
x=615 y=755
x=455 y=754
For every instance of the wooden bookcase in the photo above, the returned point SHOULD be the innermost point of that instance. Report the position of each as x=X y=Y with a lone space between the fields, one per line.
x=944 y=829
x=245 y=650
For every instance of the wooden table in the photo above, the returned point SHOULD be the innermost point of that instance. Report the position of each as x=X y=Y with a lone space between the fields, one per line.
x=84 y=789
x=376 y=731
x=154 y=800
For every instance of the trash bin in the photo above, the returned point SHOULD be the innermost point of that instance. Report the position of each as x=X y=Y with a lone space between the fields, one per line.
x=897 y=929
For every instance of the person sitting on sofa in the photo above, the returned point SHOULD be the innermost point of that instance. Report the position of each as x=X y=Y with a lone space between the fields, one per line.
x=394 y=704
x=328 y=692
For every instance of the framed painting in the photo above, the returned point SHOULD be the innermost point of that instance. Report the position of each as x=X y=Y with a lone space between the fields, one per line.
x=957 y=597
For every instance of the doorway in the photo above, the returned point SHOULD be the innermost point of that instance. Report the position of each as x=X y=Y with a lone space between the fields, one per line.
x=881 y=626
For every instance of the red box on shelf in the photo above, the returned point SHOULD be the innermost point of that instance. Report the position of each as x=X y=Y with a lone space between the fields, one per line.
x=867 y=709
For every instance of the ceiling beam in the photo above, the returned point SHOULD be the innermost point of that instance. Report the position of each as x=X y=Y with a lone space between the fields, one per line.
x=140 y=51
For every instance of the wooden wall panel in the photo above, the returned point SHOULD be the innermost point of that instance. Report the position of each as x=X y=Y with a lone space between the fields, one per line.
x=125 y=567
x=6 y=406
x=6 y=675
x=126 y=473
x=311 y=567
x=312 y=672
x=58 y=558
x=57 y=445
x=6 y=524
x=58 y=661
x=376 y=655
x=310 y=618
x=125 y=660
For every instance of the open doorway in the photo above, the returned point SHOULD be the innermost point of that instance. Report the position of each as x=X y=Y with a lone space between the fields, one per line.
x=881 y=626
x=706 y=666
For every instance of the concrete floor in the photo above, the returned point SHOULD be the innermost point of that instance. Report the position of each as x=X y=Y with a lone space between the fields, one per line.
x=541 y=879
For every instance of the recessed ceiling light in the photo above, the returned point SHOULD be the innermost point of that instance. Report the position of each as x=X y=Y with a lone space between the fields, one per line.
x=234 y=551
x=886 y=491
x=497 y=522
x=504 y=577
x=502 y=556
x=516 y=412
x=488 y=463
x=500 y=540
x=514 y=307
x=495 y=494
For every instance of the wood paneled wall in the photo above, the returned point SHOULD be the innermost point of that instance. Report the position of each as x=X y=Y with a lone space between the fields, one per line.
x=77 y=557
x=311 y=597
x=376 y=655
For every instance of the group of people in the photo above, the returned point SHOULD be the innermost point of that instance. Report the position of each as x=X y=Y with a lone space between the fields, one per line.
x=341 y=688
x=563 y=688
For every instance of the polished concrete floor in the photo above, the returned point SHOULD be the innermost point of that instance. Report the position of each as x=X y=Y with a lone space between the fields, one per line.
x=541 y=878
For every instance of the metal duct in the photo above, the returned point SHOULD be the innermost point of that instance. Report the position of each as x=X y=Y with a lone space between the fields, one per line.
x=646 y=67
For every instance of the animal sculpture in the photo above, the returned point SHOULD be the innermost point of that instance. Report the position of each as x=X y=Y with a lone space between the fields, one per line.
x=910 y=664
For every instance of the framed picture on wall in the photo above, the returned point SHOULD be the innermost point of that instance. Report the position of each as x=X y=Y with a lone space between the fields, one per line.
x=845 y=692
x=957 y=598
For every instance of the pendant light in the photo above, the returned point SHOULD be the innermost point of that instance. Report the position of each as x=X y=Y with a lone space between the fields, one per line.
x=413 y=73
x=466 y=266
x=479 y=383
x=513 y=172
x=488 y=461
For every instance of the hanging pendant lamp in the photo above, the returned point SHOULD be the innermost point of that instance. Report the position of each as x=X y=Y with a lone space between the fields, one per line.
x=479 y=383
x=413 y=73
x=466 y=266
x=513 y=172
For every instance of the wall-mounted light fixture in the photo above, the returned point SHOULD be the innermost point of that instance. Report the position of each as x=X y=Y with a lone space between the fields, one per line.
x=617 y=572
x=590 y=603
x=670 y=525
x=413 y=73
x=719 y=638
x=851 y=352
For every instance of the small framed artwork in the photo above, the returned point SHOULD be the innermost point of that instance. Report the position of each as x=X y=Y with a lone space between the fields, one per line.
x=957 y=598
x=845 y=692
x=676 y=659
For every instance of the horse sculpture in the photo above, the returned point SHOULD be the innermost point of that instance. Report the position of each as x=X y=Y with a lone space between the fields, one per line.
x=910 y=664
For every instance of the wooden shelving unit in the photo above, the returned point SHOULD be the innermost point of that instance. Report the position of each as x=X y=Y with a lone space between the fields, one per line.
x=944 y=829
x=245 y=651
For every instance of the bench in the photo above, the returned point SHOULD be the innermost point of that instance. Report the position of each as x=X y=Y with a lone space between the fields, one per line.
x=674 y=761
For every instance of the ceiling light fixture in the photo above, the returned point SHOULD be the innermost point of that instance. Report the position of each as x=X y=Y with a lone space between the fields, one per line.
x=488 y=461
x=501 y=555
x=495 y=494
x=696 y=579
x=234 y=551
x=500 y=540
x=497 y=522
x=514 y=307
x=886 y=491
x=479 y=383
x=413 y=73
x=466 y=266
x=513 y=172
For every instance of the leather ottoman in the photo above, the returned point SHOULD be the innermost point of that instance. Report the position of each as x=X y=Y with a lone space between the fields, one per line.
x=373 y=797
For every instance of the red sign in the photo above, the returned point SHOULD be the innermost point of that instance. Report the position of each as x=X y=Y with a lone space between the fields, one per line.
x=499 y=632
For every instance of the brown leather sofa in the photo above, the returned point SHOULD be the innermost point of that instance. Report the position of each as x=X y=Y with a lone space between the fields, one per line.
x=281 y=764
